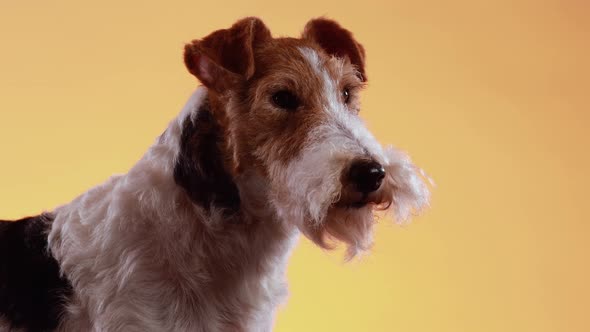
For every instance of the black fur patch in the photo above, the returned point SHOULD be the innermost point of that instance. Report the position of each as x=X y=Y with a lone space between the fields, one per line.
x=32 y=292
x=200 y=169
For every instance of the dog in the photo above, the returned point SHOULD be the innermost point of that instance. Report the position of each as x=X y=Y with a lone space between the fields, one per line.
x=197 y=235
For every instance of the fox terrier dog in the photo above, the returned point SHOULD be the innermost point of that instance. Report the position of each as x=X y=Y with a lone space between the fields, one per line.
x=196 y=236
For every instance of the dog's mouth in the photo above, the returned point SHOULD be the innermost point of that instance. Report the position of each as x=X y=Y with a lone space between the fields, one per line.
x=358 y=204
x=352 y=199
x=355 y=200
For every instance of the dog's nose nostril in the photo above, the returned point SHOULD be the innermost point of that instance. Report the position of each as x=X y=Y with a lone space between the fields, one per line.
x=366 y=175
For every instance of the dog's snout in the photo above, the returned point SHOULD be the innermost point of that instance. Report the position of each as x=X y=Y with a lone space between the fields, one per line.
x=366 y=175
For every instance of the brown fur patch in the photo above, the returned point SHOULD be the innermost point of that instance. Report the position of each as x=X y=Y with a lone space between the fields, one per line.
x=265 y=132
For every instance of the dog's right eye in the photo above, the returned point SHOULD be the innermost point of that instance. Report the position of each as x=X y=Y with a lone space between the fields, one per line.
x=286 y=100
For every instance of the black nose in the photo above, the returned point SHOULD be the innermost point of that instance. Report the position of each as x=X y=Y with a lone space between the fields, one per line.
x=366 y=175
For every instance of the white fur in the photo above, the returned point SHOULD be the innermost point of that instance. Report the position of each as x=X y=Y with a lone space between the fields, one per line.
x=142 y=257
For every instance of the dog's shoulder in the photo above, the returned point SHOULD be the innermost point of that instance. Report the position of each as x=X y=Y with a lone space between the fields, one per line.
x=32 y=291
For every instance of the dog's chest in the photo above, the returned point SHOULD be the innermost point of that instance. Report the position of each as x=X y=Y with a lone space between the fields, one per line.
x=241 y=281
x=228 y=281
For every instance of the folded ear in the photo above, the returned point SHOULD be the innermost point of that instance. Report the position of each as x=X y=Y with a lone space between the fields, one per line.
x=226 y=57
x=336 y=41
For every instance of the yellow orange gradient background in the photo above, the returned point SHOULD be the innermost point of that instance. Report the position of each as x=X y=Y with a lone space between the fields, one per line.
x=492 y=99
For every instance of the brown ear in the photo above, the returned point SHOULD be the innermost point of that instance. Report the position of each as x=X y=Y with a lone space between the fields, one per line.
x=336 y=41
x=226 y=57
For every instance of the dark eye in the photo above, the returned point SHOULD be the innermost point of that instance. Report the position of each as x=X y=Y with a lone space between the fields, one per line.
x=286 y=100
x=346 y=95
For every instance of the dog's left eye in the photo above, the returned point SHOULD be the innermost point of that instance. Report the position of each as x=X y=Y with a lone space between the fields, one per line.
x=346 y=95
x=286 y=100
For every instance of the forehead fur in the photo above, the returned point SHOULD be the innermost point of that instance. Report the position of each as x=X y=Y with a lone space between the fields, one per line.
x=288 y=60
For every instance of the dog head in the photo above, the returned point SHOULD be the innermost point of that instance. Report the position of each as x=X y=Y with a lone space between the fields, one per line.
x=287 y=115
